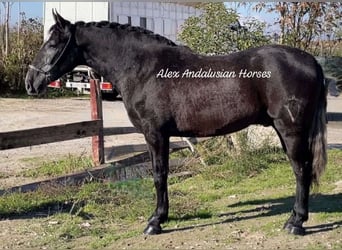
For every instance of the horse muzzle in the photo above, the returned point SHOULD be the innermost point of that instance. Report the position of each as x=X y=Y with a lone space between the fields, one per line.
x=35 y=83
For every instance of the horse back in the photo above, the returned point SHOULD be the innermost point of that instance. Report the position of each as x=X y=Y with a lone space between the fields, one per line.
x=257 y=85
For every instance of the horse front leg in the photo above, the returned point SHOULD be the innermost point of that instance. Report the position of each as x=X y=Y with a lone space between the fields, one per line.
x=159 y=152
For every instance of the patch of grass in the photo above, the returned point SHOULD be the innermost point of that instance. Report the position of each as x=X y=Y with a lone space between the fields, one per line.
x=61 y=230
x=65 y=165
x=253 y=162
x=185 y=206
x=61 y=93
x=108 y=238
x=248 y=161
x=334 y=159
x=270 y=228
x=48 y=199
x=103 y=213
x=99 y=204
x=121 y=201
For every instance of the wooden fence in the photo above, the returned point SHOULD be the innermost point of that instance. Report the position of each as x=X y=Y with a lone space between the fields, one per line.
x=43 y=135
x=94 y=129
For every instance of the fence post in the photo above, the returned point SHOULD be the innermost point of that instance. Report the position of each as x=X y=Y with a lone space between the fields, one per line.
x=96 y=114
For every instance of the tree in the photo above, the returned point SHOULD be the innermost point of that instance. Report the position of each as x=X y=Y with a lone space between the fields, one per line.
x=302 y=23
x=218 y=31
x=252 y=34
x=6 y=29
x=25 y=45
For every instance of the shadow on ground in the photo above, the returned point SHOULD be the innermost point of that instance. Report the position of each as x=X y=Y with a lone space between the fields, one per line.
x=319 y=203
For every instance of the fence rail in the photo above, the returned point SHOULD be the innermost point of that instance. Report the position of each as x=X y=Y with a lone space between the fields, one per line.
x=334 y=116
x=78 y=130
x=57 y=133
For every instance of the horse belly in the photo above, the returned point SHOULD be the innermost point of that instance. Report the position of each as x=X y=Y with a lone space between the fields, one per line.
x=215 y=116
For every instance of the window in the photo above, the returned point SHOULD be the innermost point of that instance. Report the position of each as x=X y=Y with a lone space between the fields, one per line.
x=129 y=20
x=143 y=22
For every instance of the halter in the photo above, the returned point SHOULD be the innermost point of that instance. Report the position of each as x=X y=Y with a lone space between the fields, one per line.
x=46 y=72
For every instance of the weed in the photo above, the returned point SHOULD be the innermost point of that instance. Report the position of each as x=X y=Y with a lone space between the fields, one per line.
x=68 y=164
x=245 y=159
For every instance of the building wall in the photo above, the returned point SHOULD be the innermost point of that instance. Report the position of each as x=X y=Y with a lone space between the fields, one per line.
x=75 y=11
x=165 y=19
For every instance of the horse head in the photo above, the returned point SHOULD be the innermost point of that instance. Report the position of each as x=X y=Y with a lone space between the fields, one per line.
x=57 y=56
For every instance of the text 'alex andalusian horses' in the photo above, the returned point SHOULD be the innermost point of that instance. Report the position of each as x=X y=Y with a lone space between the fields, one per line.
x=170 y=91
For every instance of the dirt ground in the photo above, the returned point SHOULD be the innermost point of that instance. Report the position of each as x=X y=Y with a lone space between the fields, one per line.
x=19 y=114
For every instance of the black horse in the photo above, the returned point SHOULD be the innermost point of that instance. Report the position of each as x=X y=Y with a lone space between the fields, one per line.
x=168 y=90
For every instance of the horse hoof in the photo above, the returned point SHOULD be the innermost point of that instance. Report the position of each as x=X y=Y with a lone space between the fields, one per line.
x=152 y=230
x=295 y=230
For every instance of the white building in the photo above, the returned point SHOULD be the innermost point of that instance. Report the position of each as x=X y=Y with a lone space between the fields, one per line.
x=165 y=19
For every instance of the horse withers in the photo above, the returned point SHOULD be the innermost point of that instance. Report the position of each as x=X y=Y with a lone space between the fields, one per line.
x=168 y=90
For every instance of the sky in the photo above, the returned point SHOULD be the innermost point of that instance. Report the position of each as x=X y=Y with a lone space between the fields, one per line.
x=247 y=11
x=31 y=9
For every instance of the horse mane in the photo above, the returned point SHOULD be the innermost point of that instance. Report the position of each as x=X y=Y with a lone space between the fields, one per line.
x=129 y=28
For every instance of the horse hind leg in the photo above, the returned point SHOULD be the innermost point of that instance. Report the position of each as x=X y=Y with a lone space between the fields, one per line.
x=296 y=145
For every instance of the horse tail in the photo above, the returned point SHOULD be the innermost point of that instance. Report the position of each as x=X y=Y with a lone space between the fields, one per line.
x=318 y=131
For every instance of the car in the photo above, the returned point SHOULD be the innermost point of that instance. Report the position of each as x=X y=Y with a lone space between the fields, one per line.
x=79 y=80
x=55 y=84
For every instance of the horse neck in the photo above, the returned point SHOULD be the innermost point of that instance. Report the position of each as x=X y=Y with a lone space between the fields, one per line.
x=112 y=56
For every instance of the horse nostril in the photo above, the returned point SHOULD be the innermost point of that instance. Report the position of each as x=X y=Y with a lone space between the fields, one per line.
x=30 y=89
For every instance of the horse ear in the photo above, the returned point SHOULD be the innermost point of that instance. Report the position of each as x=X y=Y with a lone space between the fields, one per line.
x=60 y=21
